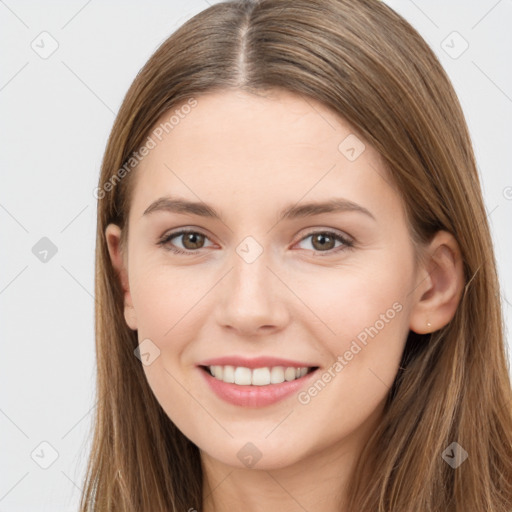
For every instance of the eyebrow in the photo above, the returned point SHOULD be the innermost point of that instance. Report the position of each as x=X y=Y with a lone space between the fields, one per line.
x=334 y=205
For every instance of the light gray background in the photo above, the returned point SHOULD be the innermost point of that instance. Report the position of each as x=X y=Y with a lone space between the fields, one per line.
x=56 y=116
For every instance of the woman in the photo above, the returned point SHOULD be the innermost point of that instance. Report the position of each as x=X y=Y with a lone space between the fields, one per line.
x=299 y=307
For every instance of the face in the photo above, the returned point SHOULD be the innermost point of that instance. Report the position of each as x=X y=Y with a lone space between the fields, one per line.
x=303 y=316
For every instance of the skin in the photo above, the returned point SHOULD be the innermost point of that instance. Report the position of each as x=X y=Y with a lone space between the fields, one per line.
x=250 y=156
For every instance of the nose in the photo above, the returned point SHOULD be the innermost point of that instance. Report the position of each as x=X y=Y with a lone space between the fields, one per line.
x=251 y=298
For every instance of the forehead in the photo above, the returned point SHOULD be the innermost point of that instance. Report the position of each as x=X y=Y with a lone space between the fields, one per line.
x=238 y=150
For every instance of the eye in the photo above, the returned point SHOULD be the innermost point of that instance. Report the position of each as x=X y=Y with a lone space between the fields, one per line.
x=325 y=242
x=191 y=241
x=321 y=241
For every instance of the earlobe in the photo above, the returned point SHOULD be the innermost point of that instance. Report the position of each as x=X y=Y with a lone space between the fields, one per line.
x=440 y=285
x=113 y=238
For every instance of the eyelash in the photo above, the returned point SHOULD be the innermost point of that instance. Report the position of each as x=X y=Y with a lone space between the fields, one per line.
x=347 y=243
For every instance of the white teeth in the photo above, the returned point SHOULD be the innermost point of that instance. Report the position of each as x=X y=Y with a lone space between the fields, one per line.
x=217 y=372
x=229 y=374
x=243 y=376
x=277 y=375
x=289 y=374
x=260 y=377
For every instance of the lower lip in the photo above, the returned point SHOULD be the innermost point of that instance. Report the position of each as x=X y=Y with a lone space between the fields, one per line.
x=254 y=396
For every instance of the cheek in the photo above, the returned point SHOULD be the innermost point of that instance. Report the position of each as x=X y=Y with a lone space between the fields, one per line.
x=364 y=315
x=368 y=316
x=163 y=297
x=352 y=299
x=170 y=309
x=167 y=302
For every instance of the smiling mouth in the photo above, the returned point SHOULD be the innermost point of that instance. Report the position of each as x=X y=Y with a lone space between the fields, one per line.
x=264 y=376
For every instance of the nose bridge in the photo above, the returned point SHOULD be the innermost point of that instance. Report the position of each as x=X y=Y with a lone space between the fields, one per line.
x=251 y=279
x=250 y=295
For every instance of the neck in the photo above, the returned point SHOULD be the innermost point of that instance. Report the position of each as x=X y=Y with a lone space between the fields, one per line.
x=317 y=482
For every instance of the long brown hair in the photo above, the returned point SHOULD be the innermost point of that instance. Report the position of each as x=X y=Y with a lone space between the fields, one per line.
x=366 y=63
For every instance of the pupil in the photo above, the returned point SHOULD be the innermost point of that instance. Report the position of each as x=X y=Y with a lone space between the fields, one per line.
x=190 y=238
x=322 y=238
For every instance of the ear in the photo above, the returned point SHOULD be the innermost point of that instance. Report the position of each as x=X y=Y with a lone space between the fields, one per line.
x=439 y=286
x=118 y=259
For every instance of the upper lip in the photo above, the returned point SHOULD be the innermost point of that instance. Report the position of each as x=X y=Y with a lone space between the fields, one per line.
x=255 y=362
